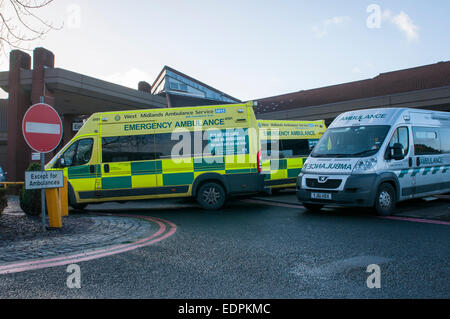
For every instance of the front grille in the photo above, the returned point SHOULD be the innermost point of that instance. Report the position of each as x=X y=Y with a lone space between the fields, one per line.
x=330 y=183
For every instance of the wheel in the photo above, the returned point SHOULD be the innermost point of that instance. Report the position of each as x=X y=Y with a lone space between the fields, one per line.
x=313 y=207
x=385 y=200
x=78 y=206
x=211 y=196
x=276 y=191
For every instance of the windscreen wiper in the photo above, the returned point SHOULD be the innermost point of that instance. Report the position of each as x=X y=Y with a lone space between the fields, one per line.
x=363 y=152
x=329 y=155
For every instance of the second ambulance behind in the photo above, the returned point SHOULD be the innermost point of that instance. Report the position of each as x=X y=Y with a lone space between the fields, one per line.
x=285 y=146
x=377 y=157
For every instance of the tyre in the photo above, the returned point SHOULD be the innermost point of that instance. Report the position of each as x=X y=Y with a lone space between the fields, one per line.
x=78 y=206
x=211 y=196
x=276 y=191
x=313 y=207
x=385 y=200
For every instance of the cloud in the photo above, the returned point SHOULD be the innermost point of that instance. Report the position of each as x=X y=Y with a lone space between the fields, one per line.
x=130 y=78
x=404 y=23
x=322 y=30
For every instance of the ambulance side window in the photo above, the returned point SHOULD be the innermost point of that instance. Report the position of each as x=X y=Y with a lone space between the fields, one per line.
x=164 y=145
x=270 y=148
x=293 y=148
x=426 y=141
x=128 y=148
x=84 y=152
x=68 y=155
x=79 y=153
x=401 y=136
x=445 y=140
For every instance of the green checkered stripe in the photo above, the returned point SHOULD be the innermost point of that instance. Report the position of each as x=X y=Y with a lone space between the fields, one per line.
x=185 y=177
x=422 y=171
x=281 y=164
x=79 y=172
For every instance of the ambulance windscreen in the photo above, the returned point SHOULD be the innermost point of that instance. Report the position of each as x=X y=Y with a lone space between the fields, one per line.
x=354 y=141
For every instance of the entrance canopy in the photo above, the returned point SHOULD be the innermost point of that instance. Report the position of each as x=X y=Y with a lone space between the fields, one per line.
x=74 y=93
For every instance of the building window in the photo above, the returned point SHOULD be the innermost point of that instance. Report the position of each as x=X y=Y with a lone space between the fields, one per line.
x=182 y=87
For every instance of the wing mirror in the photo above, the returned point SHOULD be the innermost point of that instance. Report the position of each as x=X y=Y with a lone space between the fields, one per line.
x=397 y=152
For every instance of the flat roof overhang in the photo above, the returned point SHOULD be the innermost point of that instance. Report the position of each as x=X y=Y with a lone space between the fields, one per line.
x=79 y=94
x=437 y=99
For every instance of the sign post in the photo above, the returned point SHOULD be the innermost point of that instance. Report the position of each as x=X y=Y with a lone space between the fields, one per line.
x=42 y=130
x=43 y=194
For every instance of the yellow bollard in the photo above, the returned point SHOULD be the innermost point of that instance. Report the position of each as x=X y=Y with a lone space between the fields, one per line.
x=64 y=198
x=53 y=207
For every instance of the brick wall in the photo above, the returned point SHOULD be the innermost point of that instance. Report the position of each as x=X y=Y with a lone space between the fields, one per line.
x=3 y=132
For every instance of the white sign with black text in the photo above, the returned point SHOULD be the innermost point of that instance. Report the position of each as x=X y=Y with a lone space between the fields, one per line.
x=44 y=179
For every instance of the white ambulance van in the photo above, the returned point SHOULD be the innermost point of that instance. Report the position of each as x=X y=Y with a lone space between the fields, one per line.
x=376 y=158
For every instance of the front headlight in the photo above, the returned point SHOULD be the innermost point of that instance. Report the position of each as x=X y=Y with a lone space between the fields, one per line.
x=365 y=165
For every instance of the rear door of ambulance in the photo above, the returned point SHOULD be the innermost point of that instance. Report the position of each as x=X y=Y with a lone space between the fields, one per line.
x=245 y=145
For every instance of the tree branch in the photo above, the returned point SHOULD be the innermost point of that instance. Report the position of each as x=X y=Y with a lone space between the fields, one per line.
x=21 y=24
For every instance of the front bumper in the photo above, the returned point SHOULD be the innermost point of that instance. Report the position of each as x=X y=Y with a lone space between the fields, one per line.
x=357 y=191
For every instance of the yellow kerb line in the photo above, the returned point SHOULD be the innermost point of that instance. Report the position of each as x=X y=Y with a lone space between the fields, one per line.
x=5 y=184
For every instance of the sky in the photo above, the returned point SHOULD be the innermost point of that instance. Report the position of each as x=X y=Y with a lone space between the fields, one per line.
x=249 y=48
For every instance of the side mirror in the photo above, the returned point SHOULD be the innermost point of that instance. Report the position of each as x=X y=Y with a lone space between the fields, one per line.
x=397 y=152
x=62 y=162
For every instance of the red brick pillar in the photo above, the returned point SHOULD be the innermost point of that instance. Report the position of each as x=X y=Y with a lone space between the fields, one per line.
x=19 y=100
x=67 y=128
x=42 y=59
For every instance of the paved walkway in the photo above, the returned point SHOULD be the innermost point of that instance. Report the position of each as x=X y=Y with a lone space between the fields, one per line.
x=22 y=237
x=101 y=231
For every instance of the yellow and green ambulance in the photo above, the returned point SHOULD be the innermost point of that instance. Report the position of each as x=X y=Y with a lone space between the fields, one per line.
x=285 y=146
x=208 y=153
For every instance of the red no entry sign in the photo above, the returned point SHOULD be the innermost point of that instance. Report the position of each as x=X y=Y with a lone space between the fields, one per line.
x=42 y=128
